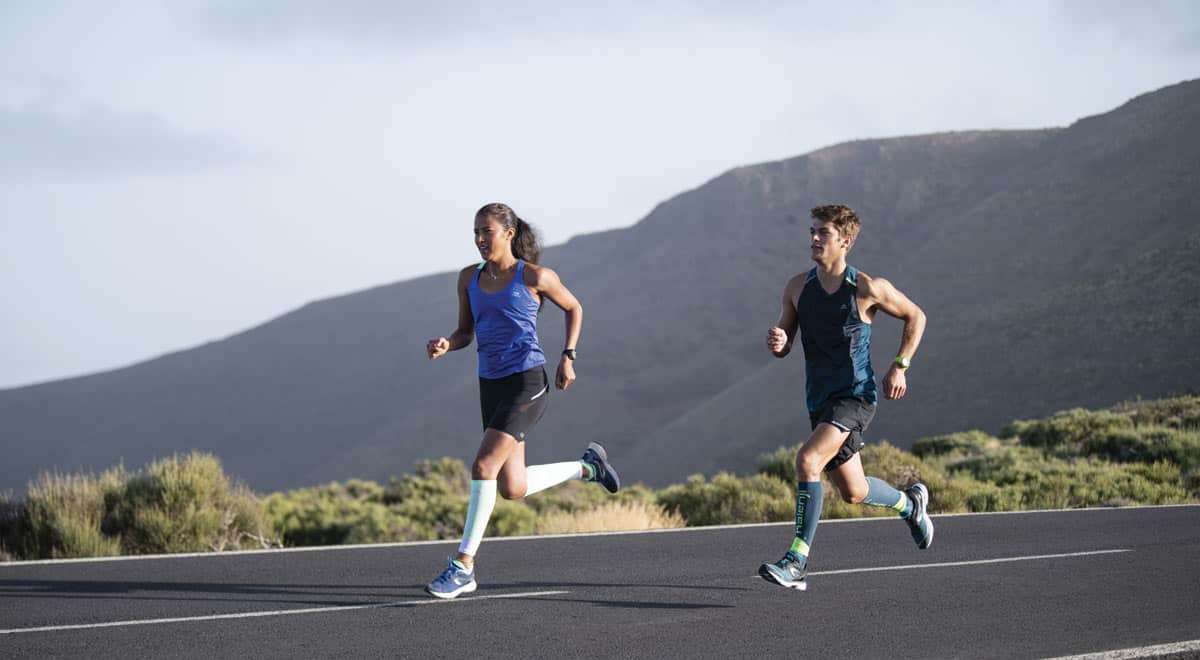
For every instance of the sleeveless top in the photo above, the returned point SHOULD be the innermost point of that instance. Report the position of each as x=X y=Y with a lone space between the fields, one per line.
x=837 y=343
x=505 y=326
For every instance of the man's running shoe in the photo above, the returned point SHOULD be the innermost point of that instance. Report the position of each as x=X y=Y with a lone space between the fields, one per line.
x=602 y=472
x=452 y=582
x=918 y=520
x=787 y=572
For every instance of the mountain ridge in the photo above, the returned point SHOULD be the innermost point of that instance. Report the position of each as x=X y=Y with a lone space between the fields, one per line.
x=1011 y=240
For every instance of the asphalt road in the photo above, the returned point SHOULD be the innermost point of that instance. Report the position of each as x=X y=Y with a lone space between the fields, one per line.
x=1026 y=585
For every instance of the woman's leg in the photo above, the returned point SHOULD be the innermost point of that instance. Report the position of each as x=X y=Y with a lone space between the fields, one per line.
x=518 y=480
x=494 y=453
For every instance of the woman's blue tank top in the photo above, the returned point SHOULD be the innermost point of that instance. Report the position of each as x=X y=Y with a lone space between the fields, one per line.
x=505 y=327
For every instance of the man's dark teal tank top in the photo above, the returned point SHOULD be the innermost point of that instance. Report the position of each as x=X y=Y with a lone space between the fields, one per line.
x=505 y=327
x=837 y=343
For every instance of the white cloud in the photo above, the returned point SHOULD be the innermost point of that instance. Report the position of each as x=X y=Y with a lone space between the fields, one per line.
x=94 y=140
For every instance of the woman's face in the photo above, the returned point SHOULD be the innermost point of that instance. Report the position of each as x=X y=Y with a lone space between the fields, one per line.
x=491 y=238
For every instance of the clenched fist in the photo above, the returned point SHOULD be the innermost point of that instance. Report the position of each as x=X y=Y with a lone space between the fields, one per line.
x=776 y=339
x=437 y=347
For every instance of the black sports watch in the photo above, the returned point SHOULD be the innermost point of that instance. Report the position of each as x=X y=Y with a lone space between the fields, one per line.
x=570 y=353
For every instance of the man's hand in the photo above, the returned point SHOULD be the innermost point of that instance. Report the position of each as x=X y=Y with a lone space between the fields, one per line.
x=437 y=347
x=895 y=384
x=776 y=340
x=566 y=373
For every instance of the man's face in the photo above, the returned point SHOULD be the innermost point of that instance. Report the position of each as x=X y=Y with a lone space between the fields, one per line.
x=826 y=241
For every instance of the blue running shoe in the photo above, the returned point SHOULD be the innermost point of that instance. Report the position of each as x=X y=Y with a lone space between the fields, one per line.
x=452 y=582
x=918 y=520
x=602 y=472
x=787 y=572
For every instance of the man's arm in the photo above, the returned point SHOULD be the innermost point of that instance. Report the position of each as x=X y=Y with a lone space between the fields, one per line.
x=883 y=296
x=783 y=334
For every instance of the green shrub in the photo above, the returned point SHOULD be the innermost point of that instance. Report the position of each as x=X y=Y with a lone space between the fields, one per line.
x=1147 y=444
x=509 y=518
x=1067 y=430
x=780 y=464
x=1179 y=412
x=178 y=504
x=728 y=499
x=440 y=478
x=64 y=513
x=1029 y=480
x=956 y=444
x=14 y=527
x=335 y=513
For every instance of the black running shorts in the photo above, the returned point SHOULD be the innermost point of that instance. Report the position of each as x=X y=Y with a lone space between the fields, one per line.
x=514 y=404
x=852 y=414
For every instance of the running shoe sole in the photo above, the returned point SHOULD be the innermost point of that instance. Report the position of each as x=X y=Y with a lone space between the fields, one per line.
x=767 y=574
x=924 y=504
x=465 y=589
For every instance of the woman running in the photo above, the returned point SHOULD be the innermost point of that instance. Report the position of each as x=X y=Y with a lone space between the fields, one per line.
x=498 y=302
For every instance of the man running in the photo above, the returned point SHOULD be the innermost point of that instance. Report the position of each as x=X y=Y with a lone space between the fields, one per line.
x=833 y=306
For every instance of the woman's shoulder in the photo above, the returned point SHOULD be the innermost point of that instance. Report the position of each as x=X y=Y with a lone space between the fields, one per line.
x=538 y=276
x=467 y=273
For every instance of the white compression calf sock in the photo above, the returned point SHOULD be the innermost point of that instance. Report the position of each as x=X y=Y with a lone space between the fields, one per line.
x=541 y=477
x=483 y=500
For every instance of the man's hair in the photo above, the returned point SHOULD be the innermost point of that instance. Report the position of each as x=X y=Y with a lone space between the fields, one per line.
x=843 y=217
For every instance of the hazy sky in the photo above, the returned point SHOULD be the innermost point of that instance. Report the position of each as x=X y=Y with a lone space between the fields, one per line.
x=175 y=172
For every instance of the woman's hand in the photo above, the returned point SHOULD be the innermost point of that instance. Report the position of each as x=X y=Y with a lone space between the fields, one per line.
x=566 y=373
x=437 y=347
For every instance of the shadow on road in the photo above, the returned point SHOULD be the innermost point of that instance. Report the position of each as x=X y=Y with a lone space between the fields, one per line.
x=300 y=594
x=633 y=604
x=593 y=585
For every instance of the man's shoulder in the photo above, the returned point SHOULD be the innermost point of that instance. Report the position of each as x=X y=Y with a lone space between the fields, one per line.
x=796 y=282
x=873 y=287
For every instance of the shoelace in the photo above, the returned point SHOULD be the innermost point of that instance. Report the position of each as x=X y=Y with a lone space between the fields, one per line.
x=448 y=574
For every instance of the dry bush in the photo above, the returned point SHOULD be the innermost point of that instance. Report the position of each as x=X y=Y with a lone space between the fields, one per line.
x=610 y=517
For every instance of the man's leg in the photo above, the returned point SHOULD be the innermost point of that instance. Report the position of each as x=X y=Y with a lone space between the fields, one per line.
x=857 y=488
x=811 y=460
x=820 y=448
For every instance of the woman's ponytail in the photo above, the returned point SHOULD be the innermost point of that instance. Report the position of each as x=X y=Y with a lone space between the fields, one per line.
x=525 y=244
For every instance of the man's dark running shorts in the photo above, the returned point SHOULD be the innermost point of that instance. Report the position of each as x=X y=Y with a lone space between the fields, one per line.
x=514 y=403
x=851 y=414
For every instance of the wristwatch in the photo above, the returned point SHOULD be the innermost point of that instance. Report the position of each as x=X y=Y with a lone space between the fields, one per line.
x=569 y=353
x=902 y=362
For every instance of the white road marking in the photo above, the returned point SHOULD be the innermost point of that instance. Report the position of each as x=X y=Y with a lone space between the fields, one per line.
x=973 y=562
x=251 y=615
x=1139 y=652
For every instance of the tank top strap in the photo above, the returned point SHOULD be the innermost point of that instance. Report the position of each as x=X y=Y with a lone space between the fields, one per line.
x=478 y=270
x=517 y=276
x=852 y=276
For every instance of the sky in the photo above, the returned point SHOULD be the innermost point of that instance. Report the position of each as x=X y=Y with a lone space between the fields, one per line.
x=172 y=173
